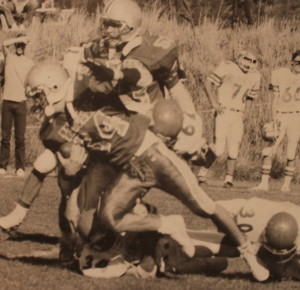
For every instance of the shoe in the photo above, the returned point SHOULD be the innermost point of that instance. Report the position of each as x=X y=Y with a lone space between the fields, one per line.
x=14 y=218
x=3 y=171
x=20 y=172
x=174 y=226
x=259 y=272
x=285 y=188
x=260 y=187
x=228 y=184
x=66 y=255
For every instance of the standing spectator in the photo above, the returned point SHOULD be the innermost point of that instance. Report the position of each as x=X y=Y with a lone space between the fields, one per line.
x=17 y=66
x=7 y=7
x=231 y=89
x=28 y=8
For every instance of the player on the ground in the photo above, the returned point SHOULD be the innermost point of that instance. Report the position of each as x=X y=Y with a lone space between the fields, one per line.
x=144 y=255
x=231 y=89
x=285 y=89
x=272 y=227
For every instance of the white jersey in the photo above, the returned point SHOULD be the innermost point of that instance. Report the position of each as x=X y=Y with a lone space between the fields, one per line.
x=252 y=215
x=287 y=84
x=234 y=86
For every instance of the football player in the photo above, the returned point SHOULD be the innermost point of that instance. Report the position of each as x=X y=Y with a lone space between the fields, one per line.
x=271 y=226
x=148 y=70
x=231 y=89
x=144 y=255
x=285 y=89
x=53 y=82
x=122 y=139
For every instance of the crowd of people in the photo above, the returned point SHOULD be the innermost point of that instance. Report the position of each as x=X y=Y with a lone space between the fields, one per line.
x=26 y=9
x=119 y=121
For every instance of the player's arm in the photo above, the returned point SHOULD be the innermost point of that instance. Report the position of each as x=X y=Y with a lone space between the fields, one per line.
x=252 y=94
x=248 y=105
x=11 y=41
x=274 y=92
x=210 y=88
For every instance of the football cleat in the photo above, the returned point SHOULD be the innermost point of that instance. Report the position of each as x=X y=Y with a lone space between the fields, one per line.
x=228 y=184
x=285 y=188
x=260 y=187
x=174 y=226
x=13 y=219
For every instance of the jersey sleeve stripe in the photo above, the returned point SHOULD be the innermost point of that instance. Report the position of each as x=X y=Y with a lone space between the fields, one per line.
x=215 y=79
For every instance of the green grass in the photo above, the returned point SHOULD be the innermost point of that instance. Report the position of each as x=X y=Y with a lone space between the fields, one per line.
x=40 y=232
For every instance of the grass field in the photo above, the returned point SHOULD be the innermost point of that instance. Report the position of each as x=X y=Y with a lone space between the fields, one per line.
x=30 y=261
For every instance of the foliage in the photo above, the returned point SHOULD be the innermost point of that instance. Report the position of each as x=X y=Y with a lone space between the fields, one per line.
x=201 y=48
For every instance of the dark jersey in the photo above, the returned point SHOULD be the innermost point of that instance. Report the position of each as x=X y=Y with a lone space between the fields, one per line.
x=107 y=132
x=160 y=56
x=155 y=60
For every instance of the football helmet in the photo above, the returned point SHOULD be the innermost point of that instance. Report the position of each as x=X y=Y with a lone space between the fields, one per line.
x=47 y=79
x=121 y=21
x=167 y=118
x=248 y=60
x=98 y=254
x=271 y=131
x=296 y=61
x=280 y=236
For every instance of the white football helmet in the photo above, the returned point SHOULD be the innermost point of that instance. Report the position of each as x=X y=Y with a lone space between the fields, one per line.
x=121 y=20
x=248 y=60
x=47 y=78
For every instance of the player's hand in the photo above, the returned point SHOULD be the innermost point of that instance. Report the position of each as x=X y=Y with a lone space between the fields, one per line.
x=219 y=108
x=74 y=163
x=99 y=70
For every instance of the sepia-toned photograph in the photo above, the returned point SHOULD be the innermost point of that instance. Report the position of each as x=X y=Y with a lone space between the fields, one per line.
x=149 y=144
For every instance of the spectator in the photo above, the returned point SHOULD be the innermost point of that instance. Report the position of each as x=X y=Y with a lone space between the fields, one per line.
x=28 y=8
x=7 y=7
x=17 y=65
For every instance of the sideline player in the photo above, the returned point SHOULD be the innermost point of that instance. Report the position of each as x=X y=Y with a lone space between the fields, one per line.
x=231 y=89
x=272 y=227
x=285 y=89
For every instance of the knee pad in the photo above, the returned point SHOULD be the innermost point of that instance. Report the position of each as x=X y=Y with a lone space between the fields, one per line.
x=46 y=162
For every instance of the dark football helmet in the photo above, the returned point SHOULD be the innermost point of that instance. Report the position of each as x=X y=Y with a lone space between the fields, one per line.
x=280 y=236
